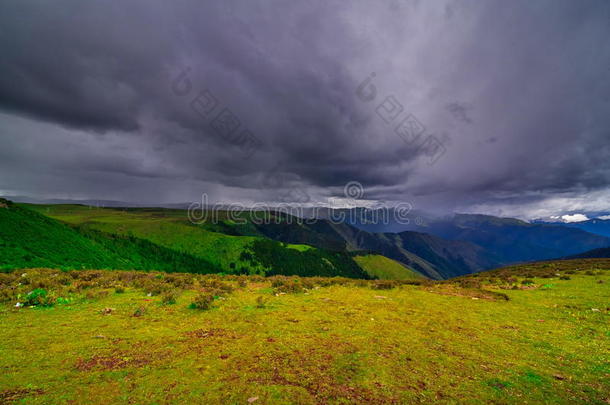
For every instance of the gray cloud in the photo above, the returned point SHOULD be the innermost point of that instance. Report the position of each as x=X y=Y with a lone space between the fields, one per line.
x=517 y=92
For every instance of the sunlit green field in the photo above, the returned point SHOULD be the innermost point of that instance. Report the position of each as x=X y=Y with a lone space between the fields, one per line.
x=341 y=341
x=165 y=227
x=385 y=268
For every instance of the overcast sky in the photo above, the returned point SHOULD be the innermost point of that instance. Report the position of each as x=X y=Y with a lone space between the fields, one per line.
x=499 y=107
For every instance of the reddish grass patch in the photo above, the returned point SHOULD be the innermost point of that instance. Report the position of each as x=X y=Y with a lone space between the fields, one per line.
x=8 y=396
x=116 y=361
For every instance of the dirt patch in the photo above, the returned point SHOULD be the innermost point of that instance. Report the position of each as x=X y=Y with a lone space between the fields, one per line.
x=210 y=333
x=468 y=293
x=115 y=361
x=13 y=395
x=326 y=377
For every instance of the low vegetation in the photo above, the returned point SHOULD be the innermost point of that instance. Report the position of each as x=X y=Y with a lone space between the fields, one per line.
x=513 y=335
x=77 y=237
x=383 y=268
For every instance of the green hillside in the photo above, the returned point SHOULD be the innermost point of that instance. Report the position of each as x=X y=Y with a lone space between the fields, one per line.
x=28 y=239
x=536 y=334
x=385 y=269
x=170 y=229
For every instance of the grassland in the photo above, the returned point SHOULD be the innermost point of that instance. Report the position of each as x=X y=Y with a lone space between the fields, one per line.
x=384 y=268
x=128 y=239
x=526 y=334
x=29 y=239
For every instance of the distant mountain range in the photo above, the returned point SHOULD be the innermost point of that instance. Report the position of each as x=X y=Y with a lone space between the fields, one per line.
x=596 y=226
x=428 y=254
x=438 y=248
x=450 y=247
x=592 y=254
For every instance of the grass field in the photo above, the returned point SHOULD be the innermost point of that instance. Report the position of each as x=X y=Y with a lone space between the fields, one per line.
x=385 y=269
x=530 y=334
x=165 y=227
x=77 y=236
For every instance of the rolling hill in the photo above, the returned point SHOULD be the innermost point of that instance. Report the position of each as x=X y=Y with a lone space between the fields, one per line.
x=384 y=268
x=29 y=239
x=75 y=236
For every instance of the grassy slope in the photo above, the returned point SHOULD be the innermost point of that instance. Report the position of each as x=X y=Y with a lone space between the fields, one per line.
x=171 y=229
x=164 y=227
x=385 y=269
x=338 y=344
x=28 y=239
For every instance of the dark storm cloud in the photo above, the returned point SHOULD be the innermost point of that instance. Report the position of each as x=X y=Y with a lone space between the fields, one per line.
x=517 y=92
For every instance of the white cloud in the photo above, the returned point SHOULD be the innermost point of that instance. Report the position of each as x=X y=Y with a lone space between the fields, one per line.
x=604 y=217
x=574 y=218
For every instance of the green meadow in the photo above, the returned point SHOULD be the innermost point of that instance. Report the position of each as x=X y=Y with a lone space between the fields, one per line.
x=526 y=334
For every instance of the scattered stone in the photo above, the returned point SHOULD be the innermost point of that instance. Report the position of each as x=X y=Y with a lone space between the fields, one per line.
x=107 y=311
x=559 y=377
x=595 y=309
x=252 y=399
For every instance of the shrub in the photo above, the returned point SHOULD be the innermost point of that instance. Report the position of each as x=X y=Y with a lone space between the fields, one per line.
x=140 y=311
x=282 y=284
x=384 y=284
x=170 y=297
x=6 y=295
x=565 y=278
x=153 y=287
x=202 y=301
x=95 y=295
x=527 y=281
x=39 y=297
x=260 y=302
x=119 y=289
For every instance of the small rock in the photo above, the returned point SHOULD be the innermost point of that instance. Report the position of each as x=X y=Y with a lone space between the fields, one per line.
x=107 y=311
x=18 y=305
x=380 y=297
x=252 y=399
x=558 y=377
x=595 y=309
